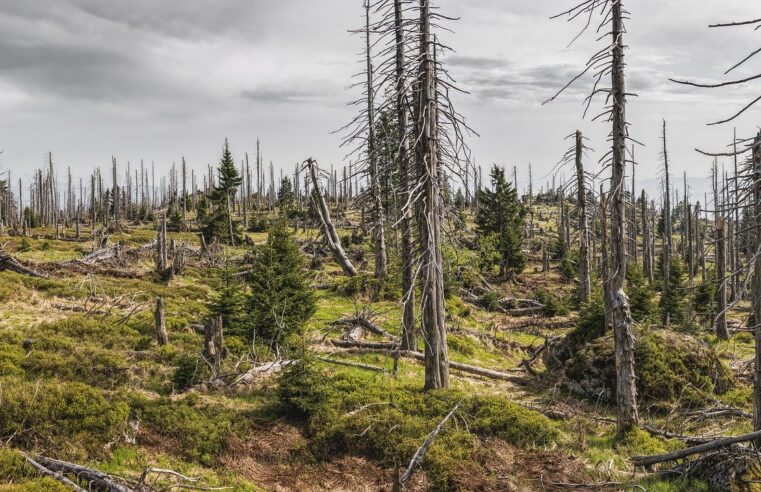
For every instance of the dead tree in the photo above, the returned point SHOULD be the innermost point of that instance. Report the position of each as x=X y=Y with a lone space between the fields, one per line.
x=667 y=227
x=161 y=336
x=610 y=60
x=753 y=192
x=409 y=331
x=721 y=273
x=162 y=260
x=647 y=252
x=329 y=230
x=214 y=344
x=429 y=210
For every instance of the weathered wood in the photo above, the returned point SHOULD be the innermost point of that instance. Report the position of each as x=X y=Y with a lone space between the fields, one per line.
x=7 y=262
x=702 y=448
x=161 y=335
x=54 y=475
x=334 y=242
x=214 y=343
x=420 y=453
x=95 y=478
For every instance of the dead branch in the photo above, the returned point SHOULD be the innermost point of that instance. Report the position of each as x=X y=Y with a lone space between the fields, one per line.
x=702 y=448
x=54 y=475
x=420 y=453
x=7 y=262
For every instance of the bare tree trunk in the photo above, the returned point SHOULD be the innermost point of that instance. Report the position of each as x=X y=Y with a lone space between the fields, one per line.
x=429 y=213
x=721 y=271
x=161 y=335
x=409 y=330
x=372 y=161
x=667 y=231
x=626 y=391
x=214 y=343
x=647 y=252
x=334 y=242
x=585 y=286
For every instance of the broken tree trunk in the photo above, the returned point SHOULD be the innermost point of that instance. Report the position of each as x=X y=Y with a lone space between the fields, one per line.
x=585 y=285
x=331 y=235
x=721 y=272
x=7 y=262
x=161 y=336
x=214 y=343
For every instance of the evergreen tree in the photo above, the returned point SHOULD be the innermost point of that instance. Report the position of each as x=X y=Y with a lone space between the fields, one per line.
x=286 y=198
x=229 y=301
x=500 y=213
x=640 y=292
x=672 y=303
x=281 y=300
x=220 y=225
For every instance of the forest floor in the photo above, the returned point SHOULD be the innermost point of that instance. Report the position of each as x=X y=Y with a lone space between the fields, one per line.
x=78 y=362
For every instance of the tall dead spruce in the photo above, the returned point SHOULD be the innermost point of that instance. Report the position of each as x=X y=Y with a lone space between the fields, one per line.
x=609 y=61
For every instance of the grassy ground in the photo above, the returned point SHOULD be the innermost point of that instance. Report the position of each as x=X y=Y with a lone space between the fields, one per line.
x=74 y=379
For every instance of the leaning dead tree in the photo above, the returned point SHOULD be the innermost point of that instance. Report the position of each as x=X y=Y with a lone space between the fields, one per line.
x=609 y=61
x=329 y=230
x=362 y=136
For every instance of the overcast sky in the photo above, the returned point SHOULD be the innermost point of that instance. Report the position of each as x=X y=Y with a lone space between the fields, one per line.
x=159 y=79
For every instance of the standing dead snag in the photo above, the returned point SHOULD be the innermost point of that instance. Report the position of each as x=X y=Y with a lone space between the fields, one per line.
x=611 y=60
x=409 y=335
x=721 y=273
x=214 y=344
x=626 y=392
x=429 y=208
x=161 y=336
x=372 y=160
x=329 y=230
x=585 y=287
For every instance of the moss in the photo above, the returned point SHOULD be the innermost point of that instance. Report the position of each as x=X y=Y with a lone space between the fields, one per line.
x=670 y=367
x=12 y=465
x=638 y=442
x=96 y=367
x=51 y=415
x=199 y=430
x=462 y=345
x=45 y=484
x=351 y=414
x=494 y=416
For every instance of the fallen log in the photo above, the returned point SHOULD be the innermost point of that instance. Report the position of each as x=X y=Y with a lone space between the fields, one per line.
x=702 y=448
x=391 y=348
x=96 y=479
x=721 y=412
x=54 y=475
x=351 y=364
x=365 y=345
x=270 y=368
x=7 y=262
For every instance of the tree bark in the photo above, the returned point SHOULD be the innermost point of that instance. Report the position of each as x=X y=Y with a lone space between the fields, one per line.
x=721 y=272
x=409 y=329
x=161 y=336
x=334 y=242
x=585 y=283
x=372 y=160
x=626 y=392
x=214 y=343
x=429 y=213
